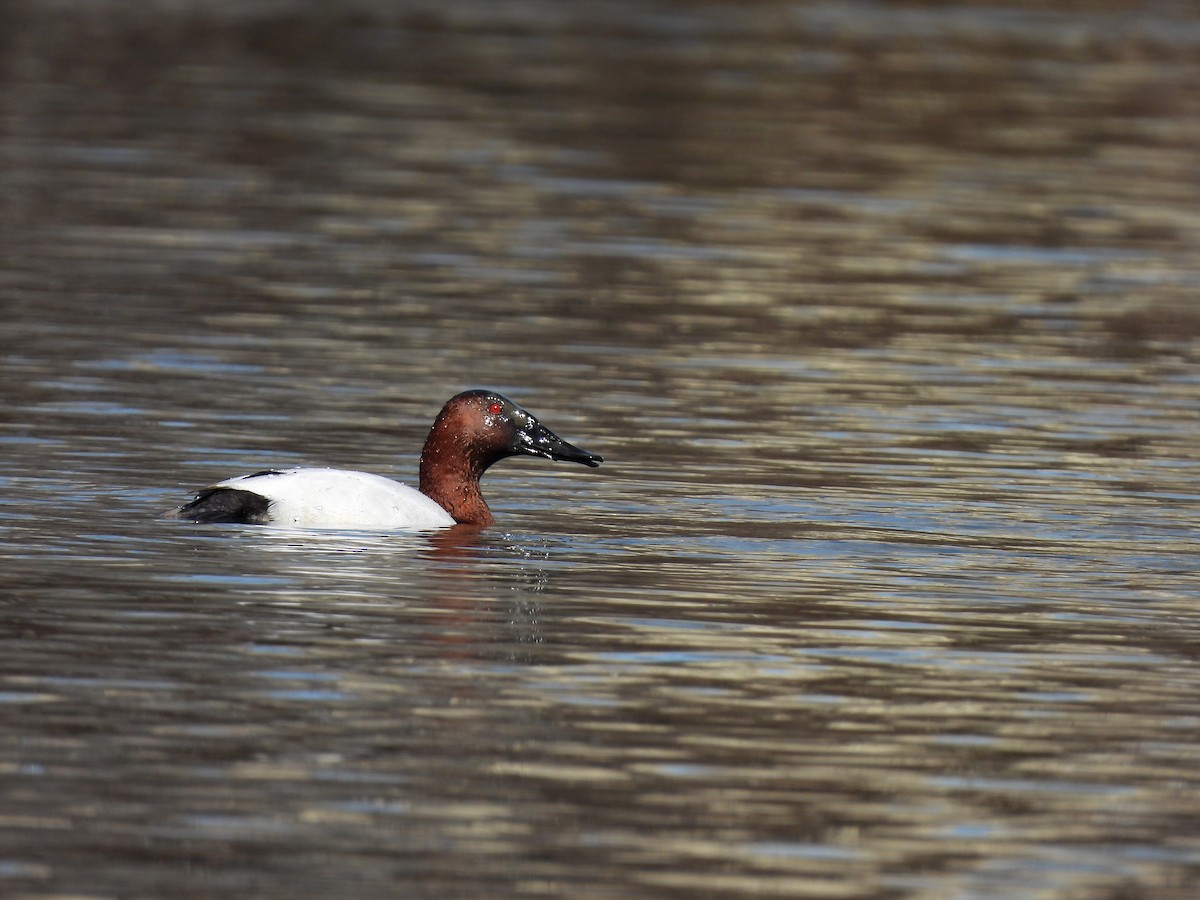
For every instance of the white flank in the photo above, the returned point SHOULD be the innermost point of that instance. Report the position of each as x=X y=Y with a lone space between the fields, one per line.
x=341 y=498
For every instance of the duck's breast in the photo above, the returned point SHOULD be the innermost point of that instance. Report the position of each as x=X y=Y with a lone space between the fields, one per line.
x=341 y=498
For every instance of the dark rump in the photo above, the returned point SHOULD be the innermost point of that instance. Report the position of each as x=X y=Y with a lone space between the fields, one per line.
x=222 y=504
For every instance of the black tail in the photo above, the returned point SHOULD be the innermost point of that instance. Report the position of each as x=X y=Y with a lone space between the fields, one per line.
x=222 y=504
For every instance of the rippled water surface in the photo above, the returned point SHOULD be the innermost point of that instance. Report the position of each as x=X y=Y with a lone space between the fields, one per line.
x=883 y=315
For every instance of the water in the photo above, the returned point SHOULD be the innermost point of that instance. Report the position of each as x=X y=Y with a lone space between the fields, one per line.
x=882 y=316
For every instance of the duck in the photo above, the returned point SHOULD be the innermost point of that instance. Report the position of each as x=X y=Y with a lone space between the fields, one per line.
x=474 y=430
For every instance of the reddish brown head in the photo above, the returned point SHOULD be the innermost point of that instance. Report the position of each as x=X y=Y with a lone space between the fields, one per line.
x=474 y=430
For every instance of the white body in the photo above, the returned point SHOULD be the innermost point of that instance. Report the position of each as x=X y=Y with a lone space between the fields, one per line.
x=341 y=498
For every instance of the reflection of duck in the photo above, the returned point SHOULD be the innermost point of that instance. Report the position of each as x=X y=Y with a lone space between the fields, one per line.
x=473 y=430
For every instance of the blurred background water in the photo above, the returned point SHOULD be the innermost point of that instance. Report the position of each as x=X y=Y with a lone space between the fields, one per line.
x=883 y=315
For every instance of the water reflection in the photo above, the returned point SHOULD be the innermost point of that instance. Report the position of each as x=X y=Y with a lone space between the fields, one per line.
x=886 y=314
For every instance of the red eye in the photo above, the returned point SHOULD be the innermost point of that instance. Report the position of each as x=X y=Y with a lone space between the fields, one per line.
x=495 y=408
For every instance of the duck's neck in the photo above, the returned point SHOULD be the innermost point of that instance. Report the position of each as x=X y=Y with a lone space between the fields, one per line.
x=452 y=480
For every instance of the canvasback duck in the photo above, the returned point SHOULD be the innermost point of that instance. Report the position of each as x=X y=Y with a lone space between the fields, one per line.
x=474 y=430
